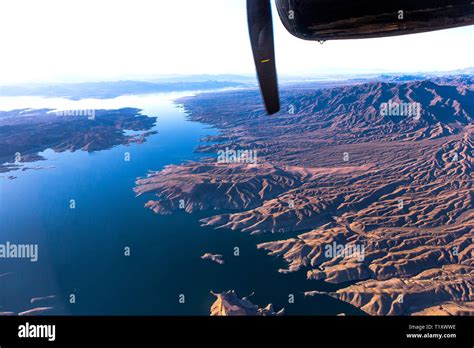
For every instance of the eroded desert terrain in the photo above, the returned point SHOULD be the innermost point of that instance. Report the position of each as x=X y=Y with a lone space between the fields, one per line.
x=380 y=203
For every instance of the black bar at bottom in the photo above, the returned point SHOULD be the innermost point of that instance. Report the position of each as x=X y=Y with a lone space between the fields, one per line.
x=454 y=331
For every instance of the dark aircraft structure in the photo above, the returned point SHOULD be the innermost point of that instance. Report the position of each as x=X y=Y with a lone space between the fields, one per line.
x=322 y=20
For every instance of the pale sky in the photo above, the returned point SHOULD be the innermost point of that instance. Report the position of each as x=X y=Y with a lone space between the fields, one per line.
x=94 y=40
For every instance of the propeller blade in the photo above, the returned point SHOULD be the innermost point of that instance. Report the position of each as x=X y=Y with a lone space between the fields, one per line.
x=259 y=16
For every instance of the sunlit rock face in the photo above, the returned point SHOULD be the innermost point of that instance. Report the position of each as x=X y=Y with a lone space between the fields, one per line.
x=229 y=304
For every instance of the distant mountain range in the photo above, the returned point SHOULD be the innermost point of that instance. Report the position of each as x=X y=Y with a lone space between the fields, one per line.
x=105 y=90
x=177 y=83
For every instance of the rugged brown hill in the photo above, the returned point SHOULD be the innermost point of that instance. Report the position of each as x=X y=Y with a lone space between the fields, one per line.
x=337 y=173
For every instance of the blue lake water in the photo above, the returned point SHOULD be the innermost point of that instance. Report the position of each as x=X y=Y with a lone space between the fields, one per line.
x=81 y=250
